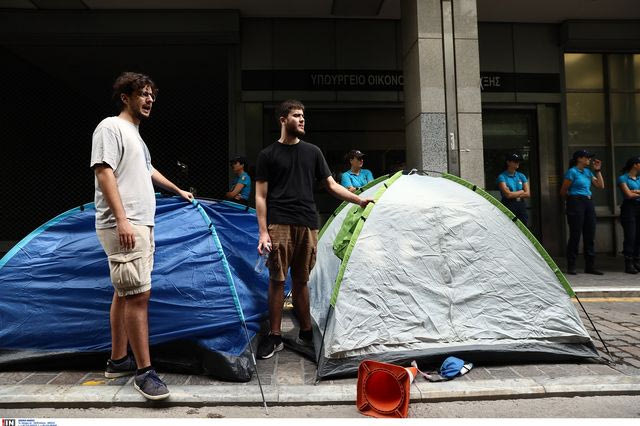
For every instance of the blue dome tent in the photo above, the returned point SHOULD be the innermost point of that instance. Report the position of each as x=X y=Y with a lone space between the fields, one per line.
x=55 y=290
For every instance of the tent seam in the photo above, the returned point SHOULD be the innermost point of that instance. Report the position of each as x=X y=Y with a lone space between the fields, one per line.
x=40 y=229
x=344 y=204
x=225 y=263
x=356 y=235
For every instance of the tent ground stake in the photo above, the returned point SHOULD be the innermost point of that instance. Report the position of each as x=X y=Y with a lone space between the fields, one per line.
x=594 y=327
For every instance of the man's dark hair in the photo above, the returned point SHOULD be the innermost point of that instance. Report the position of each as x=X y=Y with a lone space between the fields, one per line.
x=285 y=107
x=129 y=83
x=238 y=159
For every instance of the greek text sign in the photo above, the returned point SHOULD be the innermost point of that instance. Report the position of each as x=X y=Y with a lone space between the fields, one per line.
x=322 y=80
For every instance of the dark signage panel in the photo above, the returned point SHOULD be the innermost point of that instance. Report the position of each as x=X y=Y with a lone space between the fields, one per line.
x=382 y=80
x=322 y=80
x=519 y=82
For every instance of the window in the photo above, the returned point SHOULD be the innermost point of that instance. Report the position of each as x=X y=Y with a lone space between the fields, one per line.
x=603 y=112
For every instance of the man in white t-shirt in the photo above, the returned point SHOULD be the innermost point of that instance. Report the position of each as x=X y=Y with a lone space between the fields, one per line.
x=125 y=209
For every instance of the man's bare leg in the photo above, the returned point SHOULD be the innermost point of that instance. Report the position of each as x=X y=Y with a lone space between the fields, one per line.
x=137 y=325
x=300 y=296
x=118 y=329
x=276 y=300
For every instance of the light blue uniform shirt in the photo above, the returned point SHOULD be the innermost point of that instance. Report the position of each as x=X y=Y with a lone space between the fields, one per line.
x=580 y=181
x=246 y=181
x=515 y=182
x=358 y=181
x=631 y=183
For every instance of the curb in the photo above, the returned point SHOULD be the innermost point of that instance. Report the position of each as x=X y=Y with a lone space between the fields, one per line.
x=603 y=291
x=14 y=396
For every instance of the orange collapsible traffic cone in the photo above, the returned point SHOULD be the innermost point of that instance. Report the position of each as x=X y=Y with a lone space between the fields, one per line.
x=383 y=389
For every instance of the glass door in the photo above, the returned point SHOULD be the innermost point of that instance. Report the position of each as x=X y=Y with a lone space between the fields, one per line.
x=508 y=131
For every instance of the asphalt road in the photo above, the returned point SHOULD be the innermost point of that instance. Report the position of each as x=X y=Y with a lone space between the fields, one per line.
x=577 y=407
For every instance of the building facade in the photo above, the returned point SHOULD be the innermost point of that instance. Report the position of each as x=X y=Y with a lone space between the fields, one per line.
x=437 y=85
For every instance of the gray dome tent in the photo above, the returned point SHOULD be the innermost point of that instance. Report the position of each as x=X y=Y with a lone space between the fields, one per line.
x=437 y=267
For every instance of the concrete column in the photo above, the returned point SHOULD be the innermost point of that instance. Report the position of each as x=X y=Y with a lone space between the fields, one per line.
x=443 y=121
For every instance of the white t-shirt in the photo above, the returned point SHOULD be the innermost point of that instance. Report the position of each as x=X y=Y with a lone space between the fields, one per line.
x=118 y=143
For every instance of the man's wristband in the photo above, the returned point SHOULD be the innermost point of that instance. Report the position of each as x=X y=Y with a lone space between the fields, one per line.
x=597 y=170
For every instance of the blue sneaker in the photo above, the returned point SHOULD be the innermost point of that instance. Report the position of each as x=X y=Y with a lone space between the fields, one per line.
x=124 y=368
x=150 y=385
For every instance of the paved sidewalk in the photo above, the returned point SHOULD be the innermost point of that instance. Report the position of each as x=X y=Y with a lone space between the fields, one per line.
x=288 y=378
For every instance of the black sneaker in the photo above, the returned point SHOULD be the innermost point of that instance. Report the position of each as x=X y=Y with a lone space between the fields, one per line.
x=150 y=385
x=269 y=346
x=593 y=271
x=124 y=368
x=305 y=338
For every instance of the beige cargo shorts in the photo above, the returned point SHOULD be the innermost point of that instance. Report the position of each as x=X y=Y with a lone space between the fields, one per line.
x=293 y=246
x=130 y=270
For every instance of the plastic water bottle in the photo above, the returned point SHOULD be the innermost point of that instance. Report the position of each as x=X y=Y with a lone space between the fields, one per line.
x=262 y=260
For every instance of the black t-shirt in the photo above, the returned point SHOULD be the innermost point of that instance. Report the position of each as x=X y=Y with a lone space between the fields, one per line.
x=291 y=171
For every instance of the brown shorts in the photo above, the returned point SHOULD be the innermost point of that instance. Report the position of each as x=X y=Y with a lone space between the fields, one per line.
x=292 y=246
x=130 y=270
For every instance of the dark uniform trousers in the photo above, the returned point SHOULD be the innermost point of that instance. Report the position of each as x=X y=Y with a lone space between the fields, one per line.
x=518 y=208
x=581 y=216
x=630 y=221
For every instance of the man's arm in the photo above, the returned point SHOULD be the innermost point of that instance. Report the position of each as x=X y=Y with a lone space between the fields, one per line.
x=262 y=187
x=508 y=194
x=346 y=182
x=564 y=190
x=159 y=180
x=109 y=188
x=627 y=192
x=344 y=194
x=235 y=191
x=598 y=180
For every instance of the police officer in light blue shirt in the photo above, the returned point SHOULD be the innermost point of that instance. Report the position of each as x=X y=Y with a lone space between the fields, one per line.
x=356 y=177
x=581 y=214
x=514 y=188
x=629 y=184
x=240 y=188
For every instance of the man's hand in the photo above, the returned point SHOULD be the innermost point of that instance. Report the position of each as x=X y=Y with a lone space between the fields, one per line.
x=264 y=243
x=352 y=189
x=597 y=165
x=126 y=234
x=365 y=201
x=185 y=194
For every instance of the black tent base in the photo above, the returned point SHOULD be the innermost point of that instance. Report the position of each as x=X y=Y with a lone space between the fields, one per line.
x=180 y=356
x=431 y=359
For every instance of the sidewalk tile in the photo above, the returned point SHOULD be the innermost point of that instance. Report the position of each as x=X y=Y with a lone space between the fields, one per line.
x=629 y=340
x=119 y=381
x=13 y=377
x=175 y=379
x=68 y=378
x=633 y=350
x=634 y=334
x=205 y=380
x=502 y=373
x=94 y=378
x=635 y=363
x=601 y=369
x=479 y=373
x=39 y=379
x=528 y=370
x=265 y=379
x=288 y=356
x=614 y=326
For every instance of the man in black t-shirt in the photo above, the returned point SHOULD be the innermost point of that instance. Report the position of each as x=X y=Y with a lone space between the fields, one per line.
x=285 y=174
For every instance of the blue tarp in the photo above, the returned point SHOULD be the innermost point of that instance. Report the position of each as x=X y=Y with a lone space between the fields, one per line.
x=55 y=290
